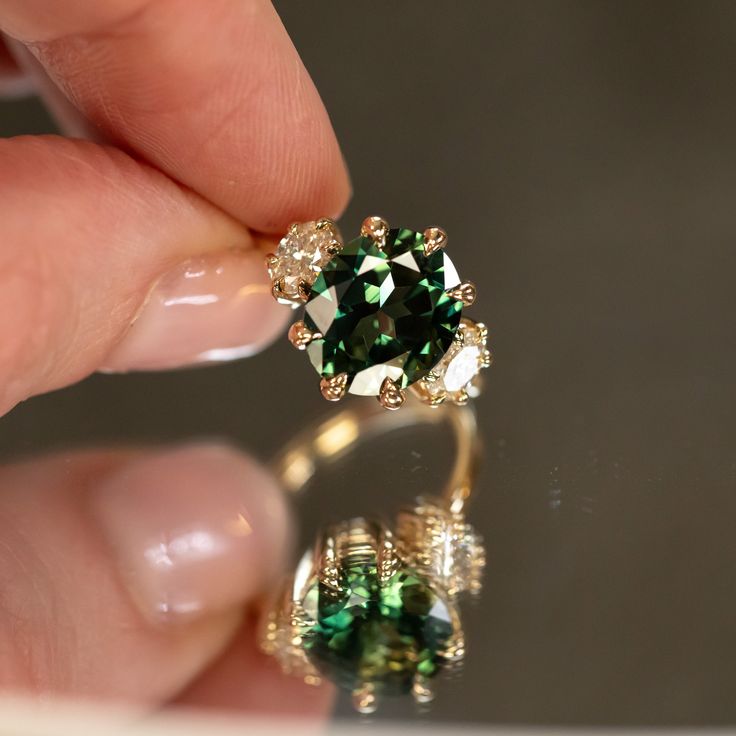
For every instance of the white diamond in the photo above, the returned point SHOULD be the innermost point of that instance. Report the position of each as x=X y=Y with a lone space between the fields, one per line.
x=462 y=368
x=302 y=253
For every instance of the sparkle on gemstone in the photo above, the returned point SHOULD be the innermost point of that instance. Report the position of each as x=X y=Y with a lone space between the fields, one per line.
x=302 y=253
x=383 y=313
x=455 y=374
x=462 y=368
x=378 y=634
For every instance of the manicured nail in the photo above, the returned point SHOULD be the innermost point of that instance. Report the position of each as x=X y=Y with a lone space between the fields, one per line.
x=197 y=529
x=213 y=308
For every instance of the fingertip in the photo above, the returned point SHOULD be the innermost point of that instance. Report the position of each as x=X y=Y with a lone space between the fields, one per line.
x=208 y=309
x=194 y=530
x=244 y=679
x=236 y=117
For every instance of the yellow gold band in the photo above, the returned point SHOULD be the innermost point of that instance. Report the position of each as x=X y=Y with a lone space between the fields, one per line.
x=329 y=440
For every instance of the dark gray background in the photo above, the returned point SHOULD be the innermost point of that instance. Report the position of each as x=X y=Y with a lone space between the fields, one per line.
x=582 y=157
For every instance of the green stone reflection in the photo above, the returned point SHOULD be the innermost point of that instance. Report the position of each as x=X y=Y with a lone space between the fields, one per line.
x=383 y=312
x=383 y=635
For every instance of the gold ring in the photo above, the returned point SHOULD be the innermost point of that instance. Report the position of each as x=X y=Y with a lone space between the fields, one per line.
x=383 y=312
x=373 y=607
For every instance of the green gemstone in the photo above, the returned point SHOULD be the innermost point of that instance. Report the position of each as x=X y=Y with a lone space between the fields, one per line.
x=378 y=634
x=383 y=313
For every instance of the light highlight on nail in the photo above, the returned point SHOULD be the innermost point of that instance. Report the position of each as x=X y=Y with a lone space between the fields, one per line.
x=214 y=308
x=194 y=530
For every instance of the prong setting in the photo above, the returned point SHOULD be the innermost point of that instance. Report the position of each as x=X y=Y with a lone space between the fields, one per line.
x=456 y=377
x=324 y=223
x=271 y=262
x=300 y=335
x=282 y=296
x=329 y=565
x=354 y=567
x=391 y=396
x=303 y=290
x=364 y=699
x=375 y=228
x=465 y=292
x=401 y=354
x=421 y=690
x=334 y=388
x=386 y=559
x=300 y=257
x=435 y=238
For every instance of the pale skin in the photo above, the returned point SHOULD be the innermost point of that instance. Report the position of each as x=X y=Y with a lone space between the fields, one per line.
x=205 y=139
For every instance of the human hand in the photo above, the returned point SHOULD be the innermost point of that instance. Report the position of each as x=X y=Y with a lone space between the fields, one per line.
x=215 y=141
x=219 y=139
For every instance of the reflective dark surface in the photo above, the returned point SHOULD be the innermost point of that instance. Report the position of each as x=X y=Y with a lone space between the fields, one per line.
x=582 y=158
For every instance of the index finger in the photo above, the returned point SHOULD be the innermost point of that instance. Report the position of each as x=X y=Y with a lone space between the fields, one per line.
x=214 y=94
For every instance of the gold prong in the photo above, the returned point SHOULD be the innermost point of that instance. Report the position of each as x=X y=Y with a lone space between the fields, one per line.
x=386 y=560
x=325 y=222
x=435 y=238
x=431 y=377
x=335 y=387
x=482 y=331
x=461 y=397
x=421 y=690
x=375 y=228
x=281 y=296
x=329 y=566
x=391 y=396
x=426 y=391
x=459 y=336
x=300 y=335
x=364 y=699
x=271 y=263
x=454 y=648
x=465 y=293
x=436 y=399
x=304 y=290
x=486 y=358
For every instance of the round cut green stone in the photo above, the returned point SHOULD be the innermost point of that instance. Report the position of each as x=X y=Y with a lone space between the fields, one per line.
x=383 y=312
x=378 y=634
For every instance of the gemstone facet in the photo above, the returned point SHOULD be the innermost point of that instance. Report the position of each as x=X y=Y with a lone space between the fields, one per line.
x=455 y=374
x=382 y=312
x=301 y=254
x=383 y=634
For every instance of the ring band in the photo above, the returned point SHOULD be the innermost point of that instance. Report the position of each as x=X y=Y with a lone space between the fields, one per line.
x=373 y=607
x=383 y=312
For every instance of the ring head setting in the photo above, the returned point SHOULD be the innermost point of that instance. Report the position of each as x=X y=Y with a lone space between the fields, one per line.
x=383 y=311
x=299 y=258
x=376 y=613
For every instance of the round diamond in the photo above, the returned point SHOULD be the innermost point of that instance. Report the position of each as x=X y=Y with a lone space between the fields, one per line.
x=378 y=634
x=383 y=312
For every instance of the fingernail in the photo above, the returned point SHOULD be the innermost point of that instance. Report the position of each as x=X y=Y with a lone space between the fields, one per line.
x=193 y=530
x=212 y=308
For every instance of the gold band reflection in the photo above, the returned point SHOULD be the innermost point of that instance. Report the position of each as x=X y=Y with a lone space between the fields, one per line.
x=327 y=441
